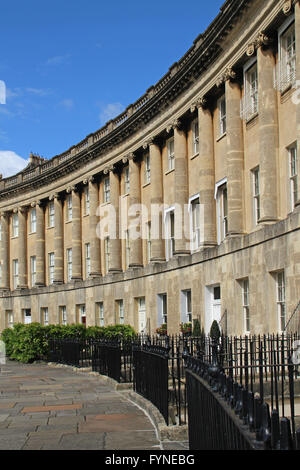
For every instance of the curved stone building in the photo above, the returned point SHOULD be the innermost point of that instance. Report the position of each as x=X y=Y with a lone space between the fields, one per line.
x=184 y=207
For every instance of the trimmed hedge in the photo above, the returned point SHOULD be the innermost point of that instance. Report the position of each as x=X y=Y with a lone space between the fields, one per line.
x=28 y=343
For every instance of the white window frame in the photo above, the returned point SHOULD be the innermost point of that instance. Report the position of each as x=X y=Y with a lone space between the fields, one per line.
x=81 y=313
x=249 y=104
x=148 y=232
x=120 y=312
x=106 y=189
x=87 y=200
x=222 y=219
x=100 y=314
x=162 y=309
x=194 y=230
x=33 y=220
x=15 y=272
x=44 y=316
x=171 y=153
x=170 y=241
x=63 y=315
x=195 y=136
x=69 y=208
x=9 y=318
x=106 y=254
x=69 y=264
x=51 y=214
x=285 y=76
x=33 y=270
x=127 y=249
x=15 y=225
x=51 y=259
x=186 y=314
x=87 y=259
x=147 y=168
x=222 y=115
x=293 y=175
x=245 y=304
x=127 y=180
x=281 y=305
x=256 y=194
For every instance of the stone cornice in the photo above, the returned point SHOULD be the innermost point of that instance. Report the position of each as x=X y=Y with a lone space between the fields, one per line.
x=181 y=75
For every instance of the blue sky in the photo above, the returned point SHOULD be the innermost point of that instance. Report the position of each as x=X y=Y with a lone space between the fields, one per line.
x=70 y=66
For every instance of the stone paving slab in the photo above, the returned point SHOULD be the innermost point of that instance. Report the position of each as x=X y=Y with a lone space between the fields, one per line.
x=45 y=407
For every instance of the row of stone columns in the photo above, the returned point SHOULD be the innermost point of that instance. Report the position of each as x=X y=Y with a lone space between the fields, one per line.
x=268 y=149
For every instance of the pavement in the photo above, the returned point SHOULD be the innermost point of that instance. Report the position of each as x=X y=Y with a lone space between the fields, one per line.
x=45 y=407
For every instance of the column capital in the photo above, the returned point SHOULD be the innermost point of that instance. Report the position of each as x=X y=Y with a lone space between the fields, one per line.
x=89 y=179
x=200 y=102
x=36 y=203
x=128 y=157
x=53 y=196
x=228 y=74
x=262 y=40
x=148 y=143
x=71 y=189
x=4 y=214
x=176 y=124
x=108 y=169
x=288 y=6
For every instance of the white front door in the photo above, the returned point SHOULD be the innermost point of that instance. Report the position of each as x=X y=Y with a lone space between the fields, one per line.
x=141 y=315
x=212 y=306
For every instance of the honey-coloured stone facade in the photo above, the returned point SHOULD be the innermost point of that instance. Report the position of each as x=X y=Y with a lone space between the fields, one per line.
x=204 y=167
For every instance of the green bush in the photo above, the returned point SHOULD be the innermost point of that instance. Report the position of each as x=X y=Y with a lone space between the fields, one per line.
x=215 y=331
x=28 y=343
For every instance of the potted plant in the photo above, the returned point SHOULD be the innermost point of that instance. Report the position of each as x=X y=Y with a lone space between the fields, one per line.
x=162 y=330
x=186 y=329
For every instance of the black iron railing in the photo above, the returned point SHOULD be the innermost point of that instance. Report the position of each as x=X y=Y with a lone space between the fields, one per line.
x=252 y=379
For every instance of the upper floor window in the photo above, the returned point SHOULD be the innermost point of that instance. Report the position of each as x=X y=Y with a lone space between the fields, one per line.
x=87 y=200
x=195 y=136
x=107 y=254
x=147 y=169
x=127 y=180
x=170 y=233
x=222 y=115
x=33 y=220
x=15 y=225
x=222 y=210
x=69 y=207
x=51 y=214
x=69 y=263
x=195 y=222
x=171 y=153
x=245 y=301
x=106 y=189
x=51 y=268
x=87 y=259
x=15 y=273
x=256 y=194
x=286 y=74
x=148 y=234
x=280 y=282
x=293 y=176
x=33 y=270
x=250 y=99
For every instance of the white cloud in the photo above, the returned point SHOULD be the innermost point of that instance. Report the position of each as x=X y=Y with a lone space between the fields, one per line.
x=11 y=163
x=57 y=60
x=67 y=103
x=110 y=111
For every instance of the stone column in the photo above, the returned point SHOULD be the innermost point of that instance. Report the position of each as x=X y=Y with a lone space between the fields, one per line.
x=40 y=244
x=235 y=157
x=157 y=242
x=268 y=131
x=206 y=173
x=135 y=229
x=76 y=234
x=180 y=189
x=58 y=240
x=94 y=240
x=114 y=236
x=22 y=247
x=4 y=254
x=297 y=97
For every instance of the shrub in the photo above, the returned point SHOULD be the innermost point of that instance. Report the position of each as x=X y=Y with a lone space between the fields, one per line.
x=215 y=331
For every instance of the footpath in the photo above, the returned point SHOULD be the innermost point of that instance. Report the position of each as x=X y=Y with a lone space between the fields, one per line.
x=45 y=407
